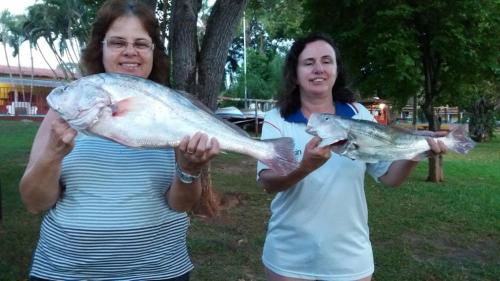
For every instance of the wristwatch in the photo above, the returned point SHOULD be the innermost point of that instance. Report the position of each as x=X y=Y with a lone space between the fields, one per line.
x=185 y=177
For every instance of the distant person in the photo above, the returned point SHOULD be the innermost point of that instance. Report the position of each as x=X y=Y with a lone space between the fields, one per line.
x=318 y=228
x=113 y=212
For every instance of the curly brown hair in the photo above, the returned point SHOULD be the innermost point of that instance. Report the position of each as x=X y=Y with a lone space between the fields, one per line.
x=289 y=95
x=91 y=60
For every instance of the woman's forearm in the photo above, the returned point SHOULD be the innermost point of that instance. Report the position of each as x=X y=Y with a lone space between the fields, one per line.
x=182 y=197
x=273 y=182
x=39 y=186
x=398 y=172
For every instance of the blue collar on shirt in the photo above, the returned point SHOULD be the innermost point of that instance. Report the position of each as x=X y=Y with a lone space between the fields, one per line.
x=341 y=109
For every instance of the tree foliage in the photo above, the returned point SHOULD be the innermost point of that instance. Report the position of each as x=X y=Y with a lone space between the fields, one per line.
x=398 y=48
x=268 y=36
x=482 y=120
x=262 y=77
x=64 y=25
x=280 y=18
x=6 y=21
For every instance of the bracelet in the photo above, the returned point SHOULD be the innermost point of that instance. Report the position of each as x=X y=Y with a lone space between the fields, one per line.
x=186 y=177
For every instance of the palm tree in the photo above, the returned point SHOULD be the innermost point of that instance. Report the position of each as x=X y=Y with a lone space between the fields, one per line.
x=15 y=41
x=27 y=35
x=69 y=26
x=5 y=21
x=35 y=27
x=42 y=24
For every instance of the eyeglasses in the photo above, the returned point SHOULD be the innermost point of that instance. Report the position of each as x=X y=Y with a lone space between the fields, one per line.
x=118 y=44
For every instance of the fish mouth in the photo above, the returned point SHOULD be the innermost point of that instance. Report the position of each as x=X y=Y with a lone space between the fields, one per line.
x=81 y=113
x=334 y=141
x=55 y=92
x=340 y=142
x=310 y=130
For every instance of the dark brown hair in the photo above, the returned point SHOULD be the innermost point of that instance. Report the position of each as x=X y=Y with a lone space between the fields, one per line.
x=91 y=60
x=289 y=95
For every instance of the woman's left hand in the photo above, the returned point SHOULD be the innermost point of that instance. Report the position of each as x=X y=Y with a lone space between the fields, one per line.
x=436 y=146
x=195 y=152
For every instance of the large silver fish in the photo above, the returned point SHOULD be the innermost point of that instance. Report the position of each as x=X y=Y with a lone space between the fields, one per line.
x=140 y=113
x=371 y=142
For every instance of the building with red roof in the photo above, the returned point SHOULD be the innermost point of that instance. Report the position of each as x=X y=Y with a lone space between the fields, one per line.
x=20 y=94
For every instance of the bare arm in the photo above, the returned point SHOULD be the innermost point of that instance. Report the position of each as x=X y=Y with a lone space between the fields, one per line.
x=314 y=157
x=192 y=155
x=39 y=186
x=398 y=172
x=401 y=169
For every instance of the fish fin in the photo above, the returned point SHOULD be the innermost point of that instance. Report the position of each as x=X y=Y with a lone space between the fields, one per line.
x=460 y=142
x=196 y=102
x=283 y=160
x=431 y=134
x=234 y=127
x=400 y=129
x=423 y=133
x=127 y=105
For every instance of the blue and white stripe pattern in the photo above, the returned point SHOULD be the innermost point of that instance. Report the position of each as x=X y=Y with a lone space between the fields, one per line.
x=113 y=221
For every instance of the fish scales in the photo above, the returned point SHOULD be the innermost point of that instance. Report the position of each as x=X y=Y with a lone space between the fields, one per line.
x=371 y=142
x=140 y=113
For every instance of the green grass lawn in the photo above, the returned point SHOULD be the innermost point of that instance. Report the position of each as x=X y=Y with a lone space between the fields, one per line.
x=420 y=231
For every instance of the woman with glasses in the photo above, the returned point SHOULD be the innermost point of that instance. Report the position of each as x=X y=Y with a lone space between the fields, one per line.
x=113 y=212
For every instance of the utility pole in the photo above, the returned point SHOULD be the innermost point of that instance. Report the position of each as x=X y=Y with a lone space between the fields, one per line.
x=245 y=60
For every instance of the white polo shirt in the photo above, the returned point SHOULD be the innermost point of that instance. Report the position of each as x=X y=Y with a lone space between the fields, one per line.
x=319 y=227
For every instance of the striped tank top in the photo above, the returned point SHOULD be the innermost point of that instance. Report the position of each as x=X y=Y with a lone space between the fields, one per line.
x=112 y=221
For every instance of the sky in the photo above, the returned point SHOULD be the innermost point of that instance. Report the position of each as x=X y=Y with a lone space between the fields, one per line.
x=17 y=7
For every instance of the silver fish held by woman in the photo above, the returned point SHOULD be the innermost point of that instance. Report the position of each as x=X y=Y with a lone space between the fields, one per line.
x=371 y=142
x=140 y=113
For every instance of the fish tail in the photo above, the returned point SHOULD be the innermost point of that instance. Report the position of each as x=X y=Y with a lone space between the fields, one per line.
x=283 y=160
x=460 y=141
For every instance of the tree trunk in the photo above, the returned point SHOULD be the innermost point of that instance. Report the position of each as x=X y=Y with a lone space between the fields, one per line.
x=435 y=169
x=221 y=26
x=32 y=71
x=414 y=115
x=58 y=57
x=431 y=65
x=46 y=61
x=10 y=70
x=23 y=92
x=164 y=22
x=200 y=72
x=184 y=46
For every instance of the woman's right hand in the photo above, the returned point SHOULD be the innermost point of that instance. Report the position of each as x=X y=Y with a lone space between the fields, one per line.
x=314 y=155
x=61 y=138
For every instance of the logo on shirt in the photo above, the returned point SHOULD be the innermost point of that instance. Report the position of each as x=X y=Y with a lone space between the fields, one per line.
x=298 y=153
